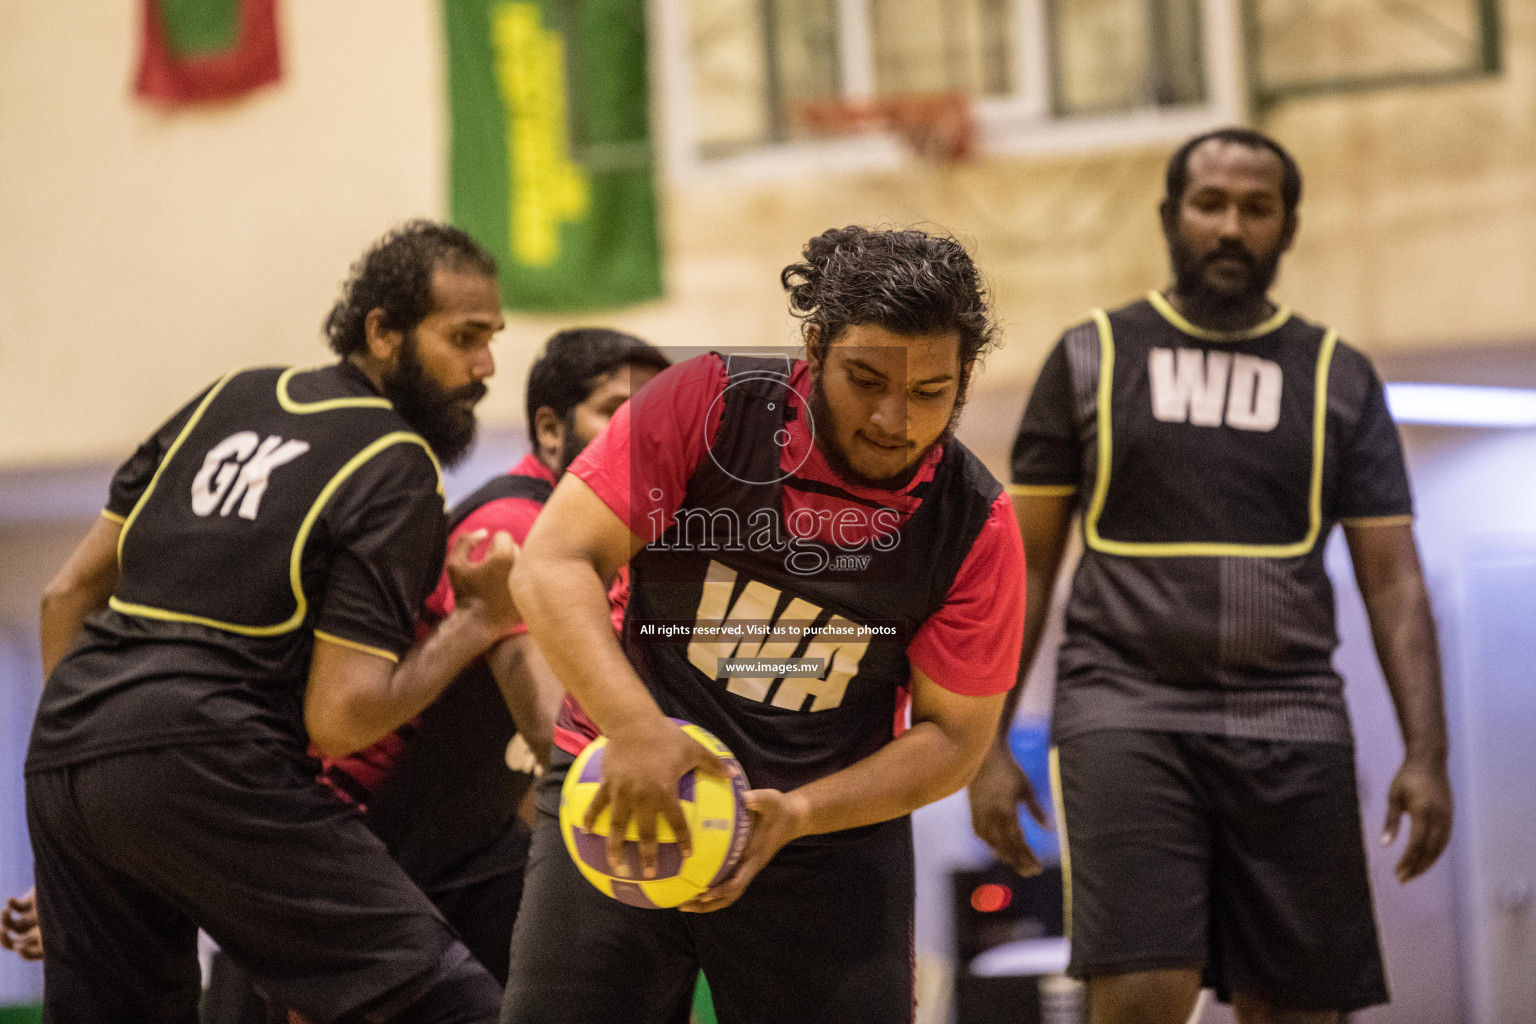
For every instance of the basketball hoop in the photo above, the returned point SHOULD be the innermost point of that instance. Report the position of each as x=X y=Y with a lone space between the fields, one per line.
x=938 y=126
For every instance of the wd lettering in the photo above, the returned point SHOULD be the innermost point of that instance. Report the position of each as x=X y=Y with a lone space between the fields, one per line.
x=835 y=642
x=1207 y=389
x=237 y=469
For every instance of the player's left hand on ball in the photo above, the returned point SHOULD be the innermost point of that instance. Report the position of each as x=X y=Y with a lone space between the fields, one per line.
x=19 y=931
x=777 y=818
x=1422 y=790
x=480 y=585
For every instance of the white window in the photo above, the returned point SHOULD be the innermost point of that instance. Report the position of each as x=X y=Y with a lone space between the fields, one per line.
x=742 y=80
x=1306 y=47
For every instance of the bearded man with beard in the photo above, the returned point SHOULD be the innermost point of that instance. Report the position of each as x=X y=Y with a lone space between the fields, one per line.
x=1210 y=440
x=445 y=791
x=253 y=586
x=740 y=488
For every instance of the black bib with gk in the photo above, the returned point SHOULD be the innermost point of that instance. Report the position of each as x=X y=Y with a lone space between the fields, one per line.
x=218 y=537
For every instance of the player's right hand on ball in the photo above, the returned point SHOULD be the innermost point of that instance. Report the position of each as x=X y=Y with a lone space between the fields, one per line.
x=480 y=583
x=641 y=768
x=996 y=792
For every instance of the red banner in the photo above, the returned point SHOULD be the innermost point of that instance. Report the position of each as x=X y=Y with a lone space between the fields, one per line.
x=176 y=78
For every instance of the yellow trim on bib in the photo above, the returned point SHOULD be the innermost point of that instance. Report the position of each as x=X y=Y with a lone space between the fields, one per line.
x=1061 y=842
x=1369 y=521
x=304 y=408
x=113 y=517
x=300 y=539
x=165 y=460
x=341 y=641
x=1041 y=490
x=1173 y=316
x=1214 y=549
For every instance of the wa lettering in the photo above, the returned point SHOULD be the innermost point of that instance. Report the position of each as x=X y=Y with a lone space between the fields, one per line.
x=755 y=605
x=1208 y=389
x=237 y=470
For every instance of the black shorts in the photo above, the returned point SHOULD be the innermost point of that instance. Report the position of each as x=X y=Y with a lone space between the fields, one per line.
x=480 y=908
x=1240 y=858
x=483 y=909
x=134 y=852
x=823 y=935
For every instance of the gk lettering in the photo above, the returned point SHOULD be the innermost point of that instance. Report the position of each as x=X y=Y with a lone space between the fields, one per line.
x=238 y=470
x=1206 y=389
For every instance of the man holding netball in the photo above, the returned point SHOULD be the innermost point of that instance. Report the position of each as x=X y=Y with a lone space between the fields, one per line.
x=743 y=489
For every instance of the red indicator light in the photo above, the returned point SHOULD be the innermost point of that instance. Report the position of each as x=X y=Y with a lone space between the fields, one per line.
x=991 y=897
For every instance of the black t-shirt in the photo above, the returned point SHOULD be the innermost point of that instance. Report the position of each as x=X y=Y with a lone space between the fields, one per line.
x=1209 y=469
x=274 y=506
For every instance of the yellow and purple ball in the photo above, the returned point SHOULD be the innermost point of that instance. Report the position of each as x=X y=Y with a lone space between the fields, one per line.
x=713 y=807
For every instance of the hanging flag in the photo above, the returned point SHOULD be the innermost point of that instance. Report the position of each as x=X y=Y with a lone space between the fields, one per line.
x=200 y=50
x=551 y=163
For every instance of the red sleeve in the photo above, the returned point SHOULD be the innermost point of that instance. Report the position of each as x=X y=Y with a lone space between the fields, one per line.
x=640 y=464
x=971 y=645
x=507 y=515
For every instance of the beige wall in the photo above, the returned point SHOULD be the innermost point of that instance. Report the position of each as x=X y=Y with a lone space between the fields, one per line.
x=143 y=253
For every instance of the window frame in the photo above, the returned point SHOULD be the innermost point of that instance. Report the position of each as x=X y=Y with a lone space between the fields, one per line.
x=1021 y=124
x=1487 y=62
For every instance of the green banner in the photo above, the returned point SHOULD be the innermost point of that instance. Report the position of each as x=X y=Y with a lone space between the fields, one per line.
x=551 y=163
x=198 y=27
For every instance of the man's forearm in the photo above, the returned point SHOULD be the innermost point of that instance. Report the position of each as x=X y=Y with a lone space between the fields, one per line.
x=1037 y=605
x=59 y=623
x=355 y=694
x=1045 y=524
x=566 y=608
x=920 y=766
x=431 y=665
x=1386 y=561
x=81 y=586
x=1403 y=629
x=530 y=690
x=343 y=719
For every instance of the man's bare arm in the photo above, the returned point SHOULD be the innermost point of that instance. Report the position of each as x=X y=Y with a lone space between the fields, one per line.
x=1391 y=581
x=950 y=734
x=356 y=695
x=571 y=555
x=81 y=586
x=531 y=690
x=949 y=737
x=1000 y=785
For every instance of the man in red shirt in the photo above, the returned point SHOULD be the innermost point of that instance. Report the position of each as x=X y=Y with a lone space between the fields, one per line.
x=827 y=496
